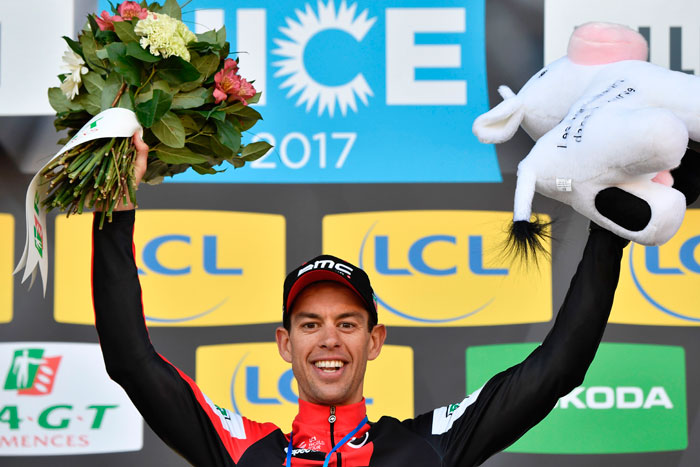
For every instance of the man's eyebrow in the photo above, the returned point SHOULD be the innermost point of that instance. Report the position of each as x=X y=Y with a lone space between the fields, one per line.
x=350 y=314
x=307 y=314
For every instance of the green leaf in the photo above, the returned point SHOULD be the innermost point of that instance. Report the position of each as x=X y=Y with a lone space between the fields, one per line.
x=236 y=162
x=134 y=49
x=200 y=144
x=125 y=31
x=189 y=123
x=176 y=71
x=127 y=101
x=254 y=99
x=246 y=112
x=94 y=83
x=254 y=151
x=126 y=66
x=178 y=156
x=172 y=9
x=208 y=37
x=90 y=52
x=188 y=100
x=90 y=102
x=206 y=64
x=201 y=170
x=152 y=110
x=75 y=46
x=214 y=113
x=228 y=135
x=60 y=102
x=110 y=90
x=169 y=130
x=221 y=36
x=102 y=54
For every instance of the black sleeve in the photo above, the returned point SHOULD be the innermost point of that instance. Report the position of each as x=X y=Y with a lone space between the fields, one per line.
x=518 y=398
x=168 y=400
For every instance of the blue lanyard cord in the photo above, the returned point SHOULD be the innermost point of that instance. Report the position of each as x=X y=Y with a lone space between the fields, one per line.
x=345 y=439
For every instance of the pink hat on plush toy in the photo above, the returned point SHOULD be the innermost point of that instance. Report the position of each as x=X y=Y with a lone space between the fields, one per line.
x=600 y=43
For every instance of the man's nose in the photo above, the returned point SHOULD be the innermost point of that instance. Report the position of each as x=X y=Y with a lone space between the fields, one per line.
x=330 y=337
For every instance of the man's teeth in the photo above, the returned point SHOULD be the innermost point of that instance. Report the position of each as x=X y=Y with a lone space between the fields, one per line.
x=329 y=365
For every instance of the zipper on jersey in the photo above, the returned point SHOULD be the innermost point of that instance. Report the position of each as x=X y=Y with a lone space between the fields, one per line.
x=331 y=419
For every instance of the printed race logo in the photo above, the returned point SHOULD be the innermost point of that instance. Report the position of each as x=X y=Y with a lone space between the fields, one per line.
x=254 y=381
x=58 y=399
x=197 y=268
x=633 y=399
x=672 y=31
x=7 y=233
x=31 y=373
x=332 y=72
x=440 y=268
x=659 y=285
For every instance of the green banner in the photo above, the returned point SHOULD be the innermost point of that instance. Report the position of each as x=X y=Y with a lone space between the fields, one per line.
x=633 y=399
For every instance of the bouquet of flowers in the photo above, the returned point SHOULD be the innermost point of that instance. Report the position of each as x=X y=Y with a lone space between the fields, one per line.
x=184 y=90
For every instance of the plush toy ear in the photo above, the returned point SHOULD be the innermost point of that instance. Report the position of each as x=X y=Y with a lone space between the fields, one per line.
x=500 y=123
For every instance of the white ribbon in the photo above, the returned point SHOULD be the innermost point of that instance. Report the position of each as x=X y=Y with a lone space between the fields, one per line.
x=110 y=123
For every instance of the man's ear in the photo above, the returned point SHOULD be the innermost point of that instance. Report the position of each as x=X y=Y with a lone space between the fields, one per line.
x=284 y=344
x=377 y=338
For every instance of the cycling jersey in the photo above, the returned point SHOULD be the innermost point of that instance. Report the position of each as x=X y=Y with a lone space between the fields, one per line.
x=461 y=434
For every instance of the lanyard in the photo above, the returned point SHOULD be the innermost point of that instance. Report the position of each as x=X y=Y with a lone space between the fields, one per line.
x=335 y=448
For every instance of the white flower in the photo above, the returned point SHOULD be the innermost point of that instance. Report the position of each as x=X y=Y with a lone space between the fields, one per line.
x=164 y=35
x=73 y=64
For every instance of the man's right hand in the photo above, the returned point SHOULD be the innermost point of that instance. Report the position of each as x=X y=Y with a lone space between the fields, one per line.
x=140 y=162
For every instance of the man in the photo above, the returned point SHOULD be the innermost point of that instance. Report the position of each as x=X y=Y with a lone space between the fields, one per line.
x=330 y=332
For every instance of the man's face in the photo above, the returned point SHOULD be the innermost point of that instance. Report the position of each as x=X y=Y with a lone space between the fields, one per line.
x=329 y=343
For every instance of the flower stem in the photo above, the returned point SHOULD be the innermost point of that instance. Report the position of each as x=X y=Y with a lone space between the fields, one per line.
x=119 y=94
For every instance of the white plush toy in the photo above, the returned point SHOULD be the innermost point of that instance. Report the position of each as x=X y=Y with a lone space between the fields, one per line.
x=609 y=127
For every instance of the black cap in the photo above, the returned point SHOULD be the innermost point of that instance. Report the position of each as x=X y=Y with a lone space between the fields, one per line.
x=329 y=268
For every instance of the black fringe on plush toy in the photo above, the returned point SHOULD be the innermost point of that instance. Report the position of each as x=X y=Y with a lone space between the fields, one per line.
x=526 y=240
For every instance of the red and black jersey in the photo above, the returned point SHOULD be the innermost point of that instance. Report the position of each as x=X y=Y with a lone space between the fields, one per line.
x=462 y=434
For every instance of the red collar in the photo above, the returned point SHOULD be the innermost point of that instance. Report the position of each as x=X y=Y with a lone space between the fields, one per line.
x=313 y=418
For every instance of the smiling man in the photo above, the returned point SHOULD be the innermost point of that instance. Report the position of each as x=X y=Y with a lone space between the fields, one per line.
x=329 y=333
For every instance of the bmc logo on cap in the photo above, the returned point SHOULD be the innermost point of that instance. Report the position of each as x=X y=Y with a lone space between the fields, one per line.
x=327 y=264
x=633 y=399
x=255 y=382
x=659 y=284
x=194 y=267
x=7 y=233
x=440 y=268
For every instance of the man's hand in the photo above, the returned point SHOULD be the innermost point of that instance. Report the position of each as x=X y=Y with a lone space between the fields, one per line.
x=140 y=162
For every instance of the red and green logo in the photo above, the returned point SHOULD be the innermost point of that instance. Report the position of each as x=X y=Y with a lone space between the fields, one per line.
x=633 y=399
x=31 y=373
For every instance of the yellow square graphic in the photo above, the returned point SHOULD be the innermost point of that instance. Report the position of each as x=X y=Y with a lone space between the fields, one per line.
x=7 y=233
x=660 y=286
x=197 y=268
x=441 y=268
x=254 y=381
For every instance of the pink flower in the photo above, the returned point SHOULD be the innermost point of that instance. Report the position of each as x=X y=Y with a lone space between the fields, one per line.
x=227 y=81
x=129 y=10
x=106 y=22
x=246 y=91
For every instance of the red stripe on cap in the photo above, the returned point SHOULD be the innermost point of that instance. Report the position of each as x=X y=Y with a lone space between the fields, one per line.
x=316 y=276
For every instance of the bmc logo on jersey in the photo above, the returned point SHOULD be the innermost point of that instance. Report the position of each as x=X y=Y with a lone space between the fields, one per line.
x=254 y=381
x=440 y=268
x=659 y=285
x=197 y=268
x=7 y=233
x=322 y=108
x=671 y=31
x=56 y=399
x=633 y=399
